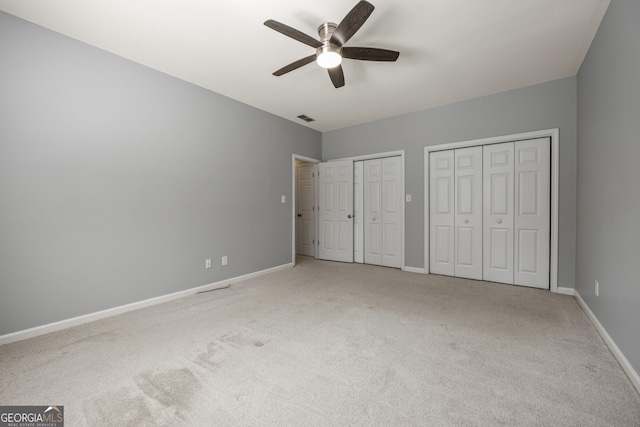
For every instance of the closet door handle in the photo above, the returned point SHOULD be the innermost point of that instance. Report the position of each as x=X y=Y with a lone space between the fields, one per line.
x=499 y=221
x=466 y=221
x=348 y=216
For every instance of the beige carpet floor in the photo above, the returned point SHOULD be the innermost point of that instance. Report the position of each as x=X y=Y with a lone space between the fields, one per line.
x=327 y=344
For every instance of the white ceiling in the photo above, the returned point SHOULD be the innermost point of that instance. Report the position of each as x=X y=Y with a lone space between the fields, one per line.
x=450 y=50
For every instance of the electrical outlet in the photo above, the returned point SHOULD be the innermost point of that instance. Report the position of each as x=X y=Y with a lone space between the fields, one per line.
x=224 y=260
x=283 y=199
x=597 y=289
x=207 y=263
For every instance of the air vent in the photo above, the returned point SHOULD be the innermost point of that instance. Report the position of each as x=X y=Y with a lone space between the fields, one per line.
x=306 y=118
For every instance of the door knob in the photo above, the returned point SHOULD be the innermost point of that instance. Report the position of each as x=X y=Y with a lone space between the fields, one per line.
x=299 y=214
x=466 y=221
x=348 y=216
x=499 y=221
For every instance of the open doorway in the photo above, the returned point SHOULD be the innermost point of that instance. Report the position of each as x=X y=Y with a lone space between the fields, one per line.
x=304 y=206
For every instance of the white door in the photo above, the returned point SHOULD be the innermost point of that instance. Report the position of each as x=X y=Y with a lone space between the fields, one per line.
x=532 y=213
x=305 y=215
x=336 y=211
x=498 y=212
x=391 y=201
x=468 y=213
x=358 y=208
x=441 y=215
x=373 y=211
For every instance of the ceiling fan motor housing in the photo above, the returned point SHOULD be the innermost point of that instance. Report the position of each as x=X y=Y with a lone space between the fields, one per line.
x=328 y=55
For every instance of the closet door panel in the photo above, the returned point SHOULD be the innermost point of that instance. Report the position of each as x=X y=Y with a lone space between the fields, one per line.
x=498 y=213
x=468 y=213
x=358 y=208
x=532 y=213
x=373 y=212
x=391 y=212
x=441 y=212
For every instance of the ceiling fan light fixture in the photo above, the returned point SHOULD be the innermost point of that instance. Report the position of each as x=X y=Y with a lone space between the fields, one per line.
x=328 y=57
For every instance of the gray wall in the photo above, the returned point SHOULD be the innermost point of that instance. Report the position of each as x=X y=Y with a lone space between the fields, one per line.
x=543 y=106
x=117 y=181
x=608 y=244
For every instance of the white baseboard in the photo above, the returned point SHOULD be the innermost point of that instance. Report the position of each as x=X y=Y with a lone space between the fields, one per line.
x=413 y=270
x=110 y=312
x=566 y=291
x=624 y=363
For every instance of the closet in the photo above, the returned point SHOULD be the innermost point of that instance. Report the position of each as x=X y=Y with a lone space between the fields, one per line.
x=361 y=212
x=489 y=210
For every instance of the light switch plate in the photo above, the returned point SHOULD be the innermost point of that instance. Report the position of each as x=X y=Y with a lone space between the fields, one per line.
x=408 y=197
x=283 y=199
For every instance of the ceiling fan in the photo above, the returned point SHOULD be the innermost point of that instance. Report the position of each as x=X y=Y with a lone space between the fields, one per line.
x=330 y=49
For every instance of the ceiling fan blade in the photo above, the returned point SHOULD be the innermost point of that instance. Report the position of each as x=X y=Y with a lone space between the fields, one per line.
x=369 y=54
x=295 y=65
x=337 y=76
x=293 y=33
x=351 y=23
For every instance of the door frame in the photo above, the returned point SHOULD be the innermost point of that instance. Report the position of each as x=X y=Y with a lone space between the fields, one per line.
x=294 y=182
x=396 y=153
x=554 y=134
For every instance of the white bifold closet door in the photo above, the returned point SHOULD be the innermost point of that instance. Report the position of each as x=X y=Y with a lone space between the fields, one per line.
x=468 y=213
x=456 y=212
x=498 y=212
x=336 y=211
x=489 y=210
x=382 y=212
x=532 y=213
x=517 y=212
x=441 y=216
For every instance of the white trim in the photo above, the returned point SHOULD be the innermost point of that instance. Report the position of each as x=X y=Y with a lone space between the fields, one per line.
x=413 y=270
x=554 y=134
x=566 y=291
x=395 y=153
x=617 y=353
x=555 y=185
x=305 y=159
x=110 y=312
x=371 y=156
x=494 y=140
x=403 y=207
